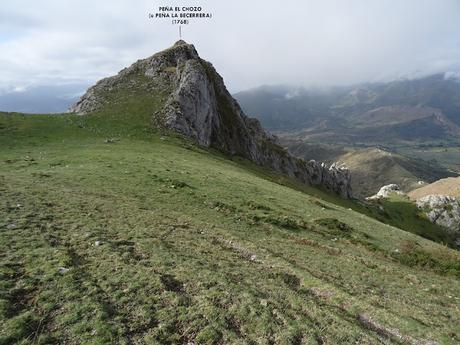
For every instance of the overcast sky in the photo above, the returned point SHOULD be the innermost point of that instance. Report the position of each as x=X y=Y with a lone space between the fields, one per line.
x=303 y=42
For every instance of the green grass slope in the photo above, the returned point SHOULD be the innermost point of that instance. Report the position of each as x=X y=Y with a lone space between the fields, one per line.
x=148 y=239
x=447 y=186
x=374 y=168
x=402 y=212
x=446 y=154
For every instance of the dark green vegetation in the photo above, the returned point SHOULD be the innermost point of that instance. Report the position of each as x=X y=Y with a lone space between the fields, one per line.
x=112 y=233
x=401 y=212
x=446 y=154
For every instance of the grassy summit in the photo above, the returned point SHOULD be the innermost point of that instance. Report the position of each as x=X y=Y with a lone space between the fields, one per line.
x=148 y=239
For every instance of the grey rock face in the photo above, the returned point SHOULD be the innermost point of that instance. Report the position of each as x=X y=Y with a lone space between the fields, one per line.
x=200 y=107
x=385 y=192
x=442 y=210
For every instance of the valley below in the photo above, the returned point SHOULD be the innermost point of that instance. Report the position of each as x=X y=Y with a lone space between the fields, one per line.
x=405 y=132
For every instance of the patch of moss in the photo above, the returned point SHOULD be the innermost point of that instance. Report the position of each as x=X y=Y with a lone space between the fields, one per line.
x=171 y=69
x=335 y=225
x=208 y=336
x=287 y=222
x=412 y=255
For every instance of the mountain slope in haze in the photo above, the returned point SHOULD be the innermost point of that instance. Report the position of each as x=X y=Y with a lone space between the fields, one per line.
x=399 y=111
x=198 y=106
x=41 y=99
x=417 y=120
x=285 y=108
x=448 y=187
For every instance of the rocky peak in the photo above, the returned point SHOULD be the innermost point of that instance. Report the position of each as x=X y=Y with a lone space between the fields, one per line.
x=200 y=107
x=180 y=43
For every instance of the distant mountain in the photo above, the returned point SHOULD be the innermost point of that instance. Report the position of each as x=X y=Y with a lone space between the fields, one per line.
x=42 y=99
x=399 y=111
x=287 y=108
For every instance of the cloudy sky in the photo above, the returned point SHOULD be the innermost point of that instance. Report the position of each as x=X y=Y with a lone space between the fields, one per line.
x=303 y=42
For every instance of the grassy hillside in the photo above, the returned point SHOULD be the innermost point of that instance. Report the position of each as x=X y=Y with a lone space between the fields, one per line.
x=372 y=168
x=146 y=239
x=448 y=186
x=445 y=154
x=400 y=211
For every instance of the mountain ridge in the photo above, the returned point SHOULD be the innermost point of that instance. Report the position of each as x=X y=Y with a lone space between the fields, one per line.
x=199 y=106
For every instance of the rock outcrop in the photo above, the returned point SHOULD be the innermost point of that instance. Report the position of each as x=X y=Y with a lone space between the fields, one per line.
x=385 y=192
x=442 y=210
x=199 y=107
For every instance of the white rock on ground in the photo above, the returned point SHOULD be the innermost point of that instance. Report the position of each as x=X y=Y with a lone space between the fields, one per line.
x=63 y=270
x=385 y=192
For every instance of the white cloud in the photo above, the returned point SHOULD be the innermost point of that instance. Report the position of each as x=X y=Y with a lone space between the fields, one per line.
x=250 y=42
x=19 y=89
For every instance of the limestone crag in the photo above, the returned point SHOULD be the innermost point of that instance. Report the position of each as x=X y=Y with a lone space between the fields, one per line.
x=442 y=210
x=199 y=107
x=386 y=191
